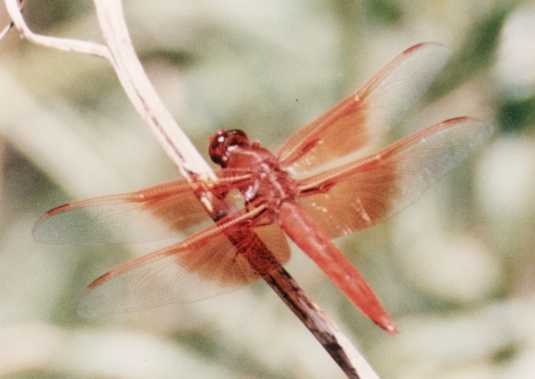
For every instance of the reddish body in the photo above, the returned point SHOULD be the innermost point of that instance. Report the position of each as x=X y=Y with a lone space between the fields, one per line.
x=321 y=184
x=271 y=187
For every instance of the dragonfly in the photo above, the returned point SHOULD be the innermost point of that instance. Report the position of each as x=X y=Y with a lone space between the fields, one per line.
x=328 y=180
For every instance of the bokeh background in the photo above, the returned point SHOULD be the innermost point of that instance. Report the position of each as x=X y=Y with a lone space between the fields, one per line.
x=456 y=269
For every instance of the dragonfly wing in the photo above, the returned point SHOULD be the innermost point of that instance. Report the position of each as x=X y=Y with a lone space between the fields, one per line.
x=208 y=263
x=360 y=194
x=154 y=213
x=362 y=119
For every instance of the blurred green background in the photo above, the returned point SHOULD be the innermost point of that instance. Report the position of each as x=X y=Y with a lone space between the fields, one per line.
x=456 y=269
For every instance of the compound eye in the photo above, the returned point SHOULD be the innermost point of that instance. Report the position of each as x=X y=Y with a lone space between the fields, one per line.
x=217 y=149
x=221 y=143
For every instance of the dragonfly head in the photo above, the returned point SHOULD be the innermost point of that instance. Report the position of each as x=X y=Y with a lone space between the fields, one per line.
x=222 y=143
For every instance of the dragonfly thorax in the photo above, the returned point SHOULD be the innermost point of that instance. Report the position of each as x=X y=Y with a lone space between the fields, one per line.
x=270 y=183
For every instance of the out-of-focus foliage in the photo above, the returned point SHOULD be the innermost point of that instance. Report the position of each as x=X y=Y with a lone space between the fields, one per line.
x=456 y=269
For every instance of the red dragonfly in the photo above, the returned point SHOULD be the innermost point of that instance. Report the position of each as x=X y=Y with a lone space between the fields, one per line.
x=323 y=183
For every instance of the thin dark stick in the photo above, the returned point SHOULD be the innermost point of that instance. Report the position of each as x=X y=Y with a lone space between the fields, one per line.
x=263 y=262
x=312 y=317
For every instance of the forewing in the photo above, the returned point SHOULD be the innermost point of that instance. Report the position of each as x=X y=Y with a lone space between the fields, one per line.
x=155 y=213
x=362 y=119
x=211 y=262
x=360 y=194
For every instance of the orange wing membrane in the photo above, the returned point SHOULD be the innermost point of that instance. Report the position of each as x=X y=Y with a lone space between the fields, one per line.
x=362 y=119
x=362 y=193
x=164 y=211
x=210 y=262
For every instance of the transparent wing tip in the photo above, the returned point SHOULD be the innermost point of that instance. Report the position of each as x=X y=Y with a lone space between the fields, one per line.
x=86 y=309
x=424 y=44
x=485 y=128
x=45 y=230
x=96 y=303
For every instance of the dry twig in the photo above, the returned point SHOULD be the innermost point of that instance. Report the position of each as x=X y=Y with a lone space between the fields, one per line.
x=11 y=24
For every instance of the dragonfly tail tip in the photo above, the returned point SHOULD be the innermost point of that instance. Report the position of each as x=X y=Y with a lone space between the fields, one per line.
x=387 y=325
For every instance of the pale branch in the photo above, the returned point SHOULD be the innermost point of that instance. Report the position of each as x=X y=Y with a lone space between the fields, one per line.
x=119 y=52
x=65 y=44
x=142 y=94
x=11 y=24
